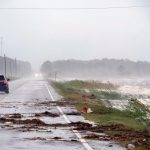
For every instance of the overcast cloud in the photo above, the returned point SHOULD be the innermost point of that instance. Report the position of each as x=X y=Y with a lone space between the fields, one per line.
x=38 y=35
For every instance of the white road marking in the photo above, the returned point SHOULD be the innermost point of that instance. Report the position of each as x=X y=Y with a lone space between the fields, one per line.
x=83 y=141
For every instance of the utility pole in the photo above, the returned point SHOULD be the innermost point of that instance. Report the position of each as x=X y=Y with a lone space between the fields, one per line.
x=1 y=38
x=23 y=69
x=55 y=76
x=5 y=65
x=16 y=69
x=11 y=70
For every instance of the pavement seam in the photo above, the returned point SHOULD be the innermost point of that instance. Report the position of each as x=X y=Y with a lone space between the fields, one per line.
x=82 y=140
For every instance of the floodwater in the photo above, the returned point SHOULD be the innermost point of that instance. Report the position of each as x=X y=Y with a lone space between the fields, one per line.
x=27 y=122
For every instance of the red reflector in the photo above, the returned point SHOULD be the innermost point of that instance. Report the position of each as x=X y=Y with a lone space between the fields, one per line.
x=5 y=82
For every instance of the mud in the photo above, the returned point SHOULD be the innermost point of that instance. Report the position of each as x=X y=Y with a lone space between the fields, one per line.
x=54 y=103
x=73 y=113
x=34 y=123
x=46 y=113
x=119 y=133
x=103 y=128
x=36 y=138
x=51 y=139
x=57 y=138
x=16 y=115
x=91 y=96
x=19 y=121
x=92 y=136
x=81 y=125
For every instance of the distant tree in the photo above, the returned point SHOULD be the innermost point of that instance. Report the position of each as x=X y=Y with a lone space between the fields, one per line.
x=93 y=69
x=46 y=67
x=121 y=69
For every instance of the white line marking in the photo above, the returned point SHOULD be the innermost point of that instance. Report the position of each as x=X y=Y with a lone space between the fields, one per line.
x=83 y=141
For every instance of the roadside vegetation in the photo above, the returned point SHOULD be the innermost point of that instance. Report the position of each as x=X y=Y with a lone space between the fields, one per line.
x=96 y=95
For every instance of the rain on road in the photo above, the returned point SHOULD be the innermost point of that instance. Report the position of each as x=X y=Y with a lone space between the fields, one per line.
x=33 y=117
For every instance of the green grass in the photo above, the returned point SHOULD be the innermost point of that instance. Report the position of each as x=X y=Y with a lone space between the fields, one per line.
x=134 y=117
x=89 y=84
x=103 y=116
x=78 y=87
x=106 y=95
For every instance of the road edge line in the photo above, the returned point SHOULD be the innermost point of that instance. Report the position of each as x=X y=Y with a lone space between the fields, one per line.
x=82 y=140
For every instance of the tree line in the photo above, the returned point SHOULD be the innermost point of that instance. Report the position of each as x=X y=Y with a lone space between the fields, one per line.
x=104 y=68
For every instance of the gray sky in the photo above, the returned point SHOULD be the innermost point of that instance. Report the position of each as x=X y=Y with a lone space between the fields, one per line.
x=38 y=35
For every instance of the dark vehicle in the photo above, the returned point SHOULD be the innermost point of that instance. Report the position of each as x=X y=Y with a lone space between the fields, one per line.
x=4 y=84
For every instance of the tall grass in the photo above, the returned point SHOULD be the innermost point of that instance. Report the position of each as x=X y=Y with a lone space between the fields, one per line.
x=135 y=116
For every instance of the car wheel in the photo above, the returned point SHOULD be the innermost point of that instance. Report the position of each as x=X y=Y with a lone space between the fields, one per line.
x=7 y=92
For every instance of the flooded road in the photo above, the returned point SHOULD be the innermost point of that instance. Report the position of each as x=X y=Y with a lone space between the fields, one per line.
x=33 y=117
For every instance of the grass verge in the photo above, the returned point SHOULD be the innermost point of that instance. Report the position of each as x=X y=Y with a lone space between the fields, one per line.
x=134 y=117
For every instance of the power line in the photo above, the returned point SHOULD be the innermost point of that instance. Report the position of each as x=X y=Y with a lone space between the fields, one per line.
x=80 y=8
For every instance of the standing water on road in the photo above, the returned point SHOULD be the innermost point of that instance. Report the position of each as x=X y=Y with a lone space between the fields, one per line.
x=30 y=119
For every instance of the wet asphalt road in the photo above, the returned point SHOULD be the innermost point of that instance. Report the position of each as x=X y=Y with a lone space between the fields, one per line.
x=24 y=98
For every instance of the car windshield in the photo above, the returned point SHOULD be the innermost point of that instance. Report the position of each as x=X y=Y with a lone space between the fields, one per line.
x=2 y=78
